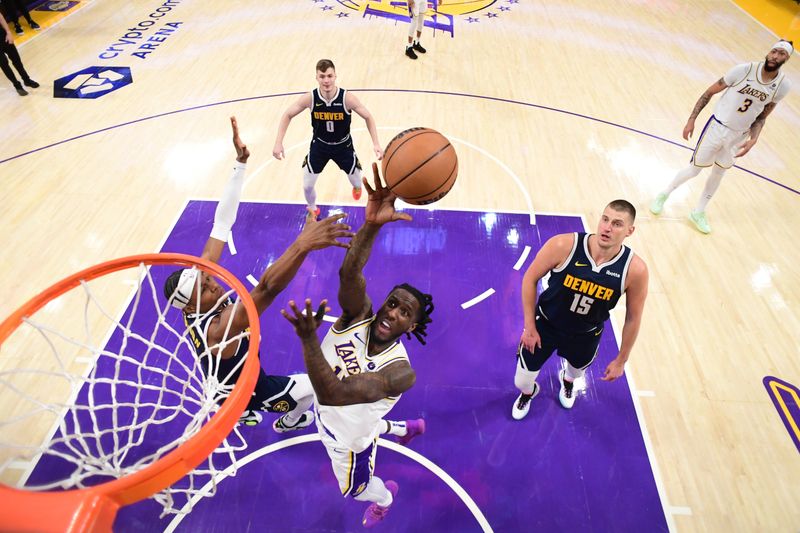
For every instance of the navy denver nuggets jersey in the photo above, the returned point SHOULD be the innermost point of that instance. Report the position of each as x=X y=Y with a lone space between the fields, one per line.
x=580 y=294
x=199 y=333
x=330 y=118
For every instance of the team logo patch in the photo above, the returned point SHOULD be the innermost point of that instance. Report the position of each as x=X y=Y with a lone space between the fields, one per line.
x=92 y=82
x=281 y=407
x=360 y=489
x=371 y=366
x=440 y=16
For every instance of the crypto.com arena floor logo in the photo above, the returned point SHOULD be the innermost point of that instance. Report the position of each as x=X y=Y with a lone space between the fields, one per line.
x=441 y=14
x=92 y=82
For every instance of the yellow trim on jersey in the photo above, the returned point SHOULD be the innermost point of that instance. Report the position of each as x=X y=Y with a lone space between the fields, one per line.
x=386 y=363
x=385 y=352
x=352 y=326
x=749 y=70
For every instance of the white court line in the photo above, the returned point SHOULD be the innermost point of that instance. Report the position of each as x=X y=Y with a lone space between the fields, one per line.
x=648 y=442
x=482 y=296
x=402 y=450
x=18 y=465
x=683 y=511
x=646 y=393
x=522 y=258
x=331 y=319
x=253 y=281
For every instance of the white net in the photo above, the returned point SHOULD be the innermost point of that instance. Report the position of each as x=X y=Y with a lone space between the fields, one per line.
x=88 y=395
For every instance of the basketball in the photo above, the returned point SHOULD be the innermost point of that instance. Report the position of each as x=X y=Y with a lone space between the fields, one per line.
x=420 y=165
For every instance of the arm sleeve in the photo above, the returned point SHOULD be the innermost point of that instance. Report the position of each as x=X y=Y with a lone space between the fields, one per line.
x=228 y=205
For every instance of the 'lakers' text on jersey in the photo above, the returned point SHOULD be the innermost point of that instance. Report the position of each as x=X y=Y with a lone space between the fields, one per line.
x=356 y=426
x=747 y=95
x=330 y=118
x=579 y=293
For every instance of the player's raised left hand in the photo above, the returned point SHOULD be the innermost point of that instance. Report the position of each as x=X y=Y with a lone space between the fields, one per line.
x=305 y=322
x=380 y=205
x=242 y=153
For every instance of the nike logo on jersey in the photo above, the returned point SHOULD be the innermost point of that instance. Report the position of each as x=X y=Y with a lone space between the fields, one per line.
x=577 y=264
x=317 y=105
x=358 y=338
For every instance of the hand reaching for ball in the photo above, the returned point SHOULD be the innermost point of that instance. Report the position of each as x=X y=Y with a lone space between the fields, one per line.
x=380 y=205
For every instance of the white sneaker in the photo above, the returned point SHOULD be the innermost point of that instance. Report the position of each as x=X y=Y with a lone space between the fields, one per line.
x=250 y=418
x=567 y=393
x=523 y=403
x=281 y=426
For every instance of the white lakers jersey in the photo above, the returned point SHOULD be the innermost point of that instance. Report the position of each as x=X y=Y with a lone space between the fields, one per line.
x=746 y=95
x=356 y=426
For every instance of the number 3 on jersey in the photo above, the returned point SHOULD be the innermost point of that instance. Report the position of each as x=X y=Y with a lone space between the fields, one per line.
x=745 y=105
x=581 y=304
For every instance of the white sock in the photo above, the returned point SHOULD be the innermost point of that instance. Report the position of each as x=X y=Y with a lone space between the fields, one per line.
x=571 y=373
x=376 y=492
x=303 y=394
x=682 y=177
x=712 y=184
x=355 y=178
x=309 y=180
x=394 y=427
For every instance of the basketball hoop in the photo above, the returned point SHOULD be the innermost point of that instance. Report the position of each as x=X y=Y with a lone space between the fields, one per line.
x=163 y=368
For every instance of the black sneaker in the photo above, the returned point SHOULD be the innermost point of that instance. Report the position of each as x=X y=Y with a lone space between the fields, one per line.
x=30 y=83
x=20 y=90
x=410 y=53
x=281 y=426
x=250 y=418
x=34 y=26
x=418 y=47
x=18 y=29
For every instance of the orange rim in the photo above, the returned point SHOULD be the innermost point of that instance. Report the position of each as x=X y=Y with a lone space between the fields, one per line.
x=93 y=509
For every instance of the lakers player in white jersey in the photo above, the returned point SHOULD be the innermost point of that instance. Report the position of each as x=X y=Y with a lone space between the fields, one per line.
x=212 y=318
x=361 y=368
x=752 y=90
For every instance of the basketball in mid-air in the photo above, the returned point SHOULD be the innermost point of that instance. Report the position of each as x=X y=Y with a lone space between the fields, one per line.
x=420 y=165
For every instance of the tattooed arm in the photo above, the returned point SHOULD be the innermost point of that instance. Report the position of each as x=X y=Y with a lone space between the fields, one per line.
x=360 y=388
x=755 y=129
x=718 y=87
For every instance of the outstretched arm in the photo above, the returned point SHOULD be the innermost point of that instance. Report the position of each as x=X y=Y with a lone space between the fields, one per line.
x=315 y=236
x=635 y=296
x=304 y=102
x=352 y=283
x=354 y=104
x=702 y=102
x=360 y=388
x=228 y=206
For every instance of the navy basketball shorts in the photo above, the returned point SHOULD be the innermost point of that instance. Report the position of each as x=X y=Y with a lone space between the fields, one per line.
x=579 y=349
x=342 y=154
x=273 y=393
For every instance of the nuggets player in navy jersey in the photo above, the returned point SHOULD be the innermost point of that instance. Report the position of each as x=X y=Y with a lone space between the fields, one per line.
x=752 y=90
x=586 y=275
x=331 y=109
x=361 y=368
x=212 y=318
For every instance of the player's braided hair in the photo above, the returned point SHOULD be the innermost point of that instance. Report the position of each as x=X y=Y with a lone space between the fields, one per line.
x=424 y=314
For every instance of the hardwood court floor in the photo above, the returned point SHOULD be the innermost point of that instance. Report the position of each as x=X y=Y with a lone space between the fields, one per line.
x=553 y=106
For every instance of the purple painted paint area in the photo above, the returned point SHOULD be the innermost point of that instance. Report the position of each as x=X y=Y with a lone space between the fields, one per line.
x=584 y=469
